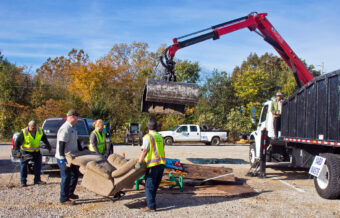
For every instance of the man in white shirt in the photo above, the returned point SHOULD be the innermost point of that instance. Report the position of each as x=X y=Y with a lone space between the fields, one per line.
x=67 y=143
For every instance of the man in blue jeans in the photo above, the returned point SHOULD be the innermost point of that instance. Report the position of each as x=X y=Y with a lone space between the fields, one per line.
x=67 y=143
x=154 y=157
x=27 y=147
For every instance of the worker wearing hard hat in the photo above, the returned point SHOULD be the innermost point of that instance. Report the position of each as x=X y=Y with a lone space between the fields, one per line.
x=27 y=146
x=154 y=157
x=98 y=138
x=276 y=110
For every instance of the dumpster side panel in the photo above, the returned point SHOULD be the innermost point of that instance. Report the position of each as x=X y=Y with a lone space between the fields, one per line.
x=313 y=112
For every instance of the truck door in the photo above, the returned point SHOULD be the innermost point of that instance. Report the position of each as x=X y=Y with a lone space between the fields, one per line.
x=182 y=134
x=262 y=124
x=194 y=134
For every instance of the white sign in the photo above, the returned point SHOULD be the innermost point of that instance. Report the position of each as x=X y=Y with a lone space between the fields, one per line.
x=317 y=165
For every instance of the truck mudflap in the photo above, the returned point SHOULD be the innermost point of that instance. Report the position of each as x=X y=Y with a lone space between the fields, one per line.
x=167 y=97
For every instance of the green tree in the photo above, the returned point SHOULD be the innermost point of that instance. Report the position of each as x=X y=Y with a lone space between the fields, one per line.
x=187 y=72
x=238 y=123
x=15 y=95
x=217 y=99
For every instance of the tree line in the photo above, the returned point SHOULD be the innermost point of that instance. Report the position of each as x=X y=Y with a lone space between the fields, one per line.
x=111 y=87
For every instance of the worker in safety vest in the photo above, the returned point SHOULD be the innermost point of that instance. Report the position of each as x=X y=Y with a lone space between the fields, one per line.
x=154 y=157
x=98 y=138
x=276 y=110
x=27 y=147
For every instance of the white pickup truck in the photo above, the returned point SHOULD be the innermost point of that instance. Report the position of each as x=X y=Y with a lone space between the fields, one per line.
x=193 y=133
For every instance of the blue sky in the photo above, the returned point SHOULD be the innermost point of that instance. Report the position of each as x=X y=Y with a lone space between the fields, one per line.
x=32 y=31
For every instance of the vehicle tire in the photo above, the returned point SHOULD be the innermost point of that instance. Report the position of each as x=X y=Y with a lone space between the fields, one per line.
x=168 y=140
x=215 y=141
x=328 y=183
x=252 y=154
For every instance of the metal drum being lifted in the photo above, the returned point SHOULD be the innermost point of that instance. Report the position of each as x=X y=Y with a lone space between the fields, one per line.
x=167 y=97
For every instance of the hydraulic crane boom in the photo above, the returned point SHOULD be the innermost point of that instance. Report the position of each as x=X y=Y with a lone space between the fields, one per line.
x=170 y=97
x=254 y=22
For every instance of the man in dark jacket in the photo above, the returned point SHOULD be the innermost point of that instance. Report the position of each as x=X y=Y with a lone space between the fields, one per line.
x=27 y=147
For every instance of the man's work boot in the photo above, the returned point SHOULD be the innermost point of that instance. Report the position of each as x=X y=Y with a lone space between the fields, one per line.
x=23 y=185
x=40 y=183
x=68 y=202
x=73 y=196
x=147 y=209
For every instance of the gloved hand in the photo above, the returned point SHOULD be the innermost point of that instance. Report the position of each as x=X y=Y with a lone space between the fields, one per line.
x=138 y=165
x=18 y=154
x=62 y=161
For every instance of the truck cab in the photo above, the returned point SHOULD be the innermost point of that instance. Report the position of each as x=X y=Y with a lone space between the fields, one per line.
x=265 y=122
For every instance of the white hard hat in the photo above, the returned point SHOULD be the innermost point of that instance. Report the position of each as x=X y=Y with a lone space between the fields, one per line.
x=278 y=94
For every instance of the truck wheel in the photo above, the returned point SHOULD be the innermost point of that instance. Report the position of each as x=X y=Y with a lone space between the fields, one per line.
x=168 y=140
x=328 y=183
x=215 y=141
x=252 y=154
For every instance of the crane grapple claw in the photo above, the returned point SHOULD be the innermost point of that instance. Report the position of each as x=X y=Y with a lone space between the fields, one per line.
x=167 y=97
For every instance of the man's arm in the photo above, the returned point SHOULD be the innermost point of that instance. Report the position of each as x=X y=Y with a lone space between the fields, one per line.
x=145 y=148
x=142 y=155
x=18 y=142
x=62 y=146
x=272 y=108
x=94 y=142
x=47 y=143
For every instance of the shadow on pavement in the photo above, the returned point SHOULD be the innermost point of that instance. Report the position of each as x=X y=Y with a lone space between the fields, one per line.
x=217 y=161
x=175 y=201
x=6 y=166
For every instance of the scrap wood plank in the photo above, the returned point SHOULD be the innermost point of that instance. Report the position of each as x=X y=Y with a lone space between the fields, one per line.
x=227 y=190
x=200 y=172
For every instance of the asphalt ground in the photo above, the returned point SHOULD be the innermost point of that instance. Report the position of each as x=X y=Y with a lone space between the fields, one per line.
x=285 y=192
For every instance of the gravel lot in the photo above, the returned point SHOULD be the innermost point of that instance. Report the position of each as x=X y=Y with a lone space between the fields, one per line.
x=285 y=193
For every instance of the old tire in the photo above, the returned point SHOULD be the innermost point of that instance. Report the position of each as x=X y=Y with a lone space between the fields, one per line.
x=328 y=183
x=168 y=140
x=252 y=154
x=215 y=141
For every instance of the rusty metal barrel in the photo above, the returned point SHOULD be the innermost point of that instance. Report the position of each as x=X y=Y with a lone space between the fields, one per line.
x=167 y=97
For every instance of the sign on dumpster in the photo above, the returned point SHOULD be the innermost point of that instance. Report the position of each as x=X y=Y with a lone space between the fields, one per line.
x=317 y=165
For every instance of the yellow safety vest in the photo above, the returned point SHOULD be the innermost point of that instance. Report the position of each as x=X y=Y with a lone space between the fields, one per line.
x=31 y=144
x=101 y=138
x=155 y=155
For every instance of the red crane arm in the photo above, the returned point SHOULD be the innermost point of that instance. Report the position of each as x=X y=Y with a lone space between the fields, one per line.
x=254 y=22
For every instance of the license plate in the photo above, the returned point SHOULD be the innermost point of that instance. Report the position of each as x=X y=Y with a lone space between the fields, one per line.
x=317 y=165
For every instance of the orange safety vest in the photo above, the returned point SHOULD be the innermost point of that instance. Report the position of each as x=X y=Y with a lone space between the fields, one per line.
x=155 y=155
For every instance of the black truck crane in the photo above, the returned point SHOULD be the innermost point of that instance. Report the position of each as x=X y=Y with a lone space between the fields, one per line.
x=310 y=121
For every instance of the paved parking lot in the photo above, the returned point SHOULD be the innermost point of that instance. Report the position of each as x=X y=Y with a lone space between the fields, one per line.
x=285 y=192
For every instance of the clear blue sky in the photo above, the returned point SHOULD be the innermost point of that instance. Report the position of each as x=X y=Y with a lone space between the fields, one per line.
x=32 y=31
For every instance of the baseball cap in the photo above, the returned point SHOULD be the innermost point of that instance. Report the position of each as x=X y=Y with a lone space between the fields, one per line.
x=72 y=112
x=32 y=123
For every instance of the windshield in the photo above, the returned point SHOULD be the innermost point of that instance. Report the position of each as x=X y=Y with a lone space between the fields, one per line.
x=174 y=129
